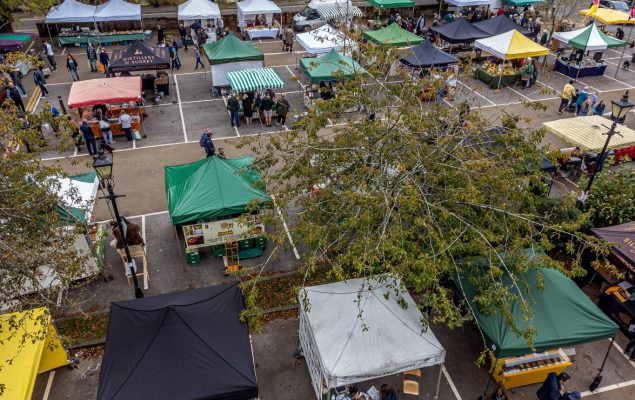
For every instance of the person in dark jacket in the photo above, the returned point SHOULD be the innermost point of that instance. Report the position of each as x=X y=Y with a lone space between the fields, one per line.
x=89 y=137
x=14 y=94
x=38 y=78
x=16 y=77
x=91 y=55
x=183 y=35
x=553 y=387
x=160 y=35
x=266 y=105
x=282 y=109
x=105 y=61
x=248 y=102
x=233 y=105
x=387 y=392
x=73 y=67
x=207 y=143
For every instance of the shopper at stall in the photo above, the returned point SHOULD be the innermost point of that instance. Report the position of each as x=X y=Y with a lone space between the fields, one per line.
x=233 y=105
x=387 y=392
x=206 y=143
x=173 y=59
x=553 y=387
x=126 y=124
x=183 y=36
x=160 y=35
x=527 y=73
x=91 y=55
x=14 y=94
x=105 y=61
x=619 y=35
x=89 y=137
x=248 y=108
x=175 y=48
x=568 y=92
x=282 y=109
x=266 y=105
x=38 y=78
x=48 y=51
x=106 y=131
x=73 y=67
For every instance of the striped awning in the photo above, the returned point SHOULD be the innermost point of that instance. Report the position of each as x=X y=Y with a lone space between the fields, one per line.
x=338 y=11
x=254 y=79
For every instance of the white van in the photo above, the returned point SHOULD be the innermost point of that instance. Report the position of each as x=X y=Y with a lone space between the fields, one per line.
x=309 y=18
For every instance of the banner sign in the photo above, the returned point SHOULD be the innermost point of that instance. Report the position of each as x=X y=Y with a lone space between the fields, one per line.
x=216 y=233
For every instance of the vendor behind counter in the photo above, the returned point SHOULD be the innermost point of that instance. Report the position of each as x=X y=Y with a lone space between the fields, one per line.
x=112 y=113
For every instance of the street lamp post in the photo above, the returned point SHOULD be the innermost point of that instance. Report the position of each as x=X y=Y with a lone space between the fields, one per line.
x=103 y=167
x=619 y=110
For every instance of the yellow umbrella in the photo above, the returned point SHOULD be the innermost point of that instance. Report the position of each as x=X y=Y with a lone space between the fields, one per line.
x=608 y=16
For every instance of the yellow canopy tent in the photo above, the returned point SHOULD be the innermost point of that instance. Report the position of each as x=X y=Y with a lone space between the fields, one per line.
x=29 y=345
x=588 y=133
x=608 y=16
x=511 y=45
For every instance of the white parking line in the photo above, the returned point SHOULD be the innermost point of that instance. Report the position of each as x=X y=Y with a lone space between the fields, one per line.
x=520 y=94
x=49 y=385
x=477 y=93
x=178 y=97
x=608 y=388
x=451 y=383
x=143 y=234
x=617 y=346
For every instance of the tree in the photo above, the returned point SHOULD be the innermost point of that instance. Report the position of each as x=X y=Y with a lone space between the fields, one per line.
x=612 y=199
x=377 y=180
x=37 y=7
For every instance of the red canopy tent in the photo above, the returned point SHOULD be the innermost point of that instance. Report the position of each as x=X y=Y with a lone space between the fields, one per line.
x=104 y=91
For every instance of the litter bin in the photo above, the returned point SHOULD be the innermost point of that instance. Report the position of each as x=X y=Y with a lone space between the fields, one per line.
x=193 y=257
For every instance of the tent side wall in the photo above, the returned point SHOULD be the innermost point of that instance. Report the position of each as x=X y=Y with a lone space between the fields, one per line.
x=311 y=353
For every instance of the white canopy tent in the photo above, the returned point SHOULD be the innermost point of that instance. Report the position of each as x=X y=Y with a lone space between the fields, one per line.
x=341 y=348
x=468 y=3
x=198 y=9
x=248 y=9
x=70 y=11
x=324 y=39
x=118 y=10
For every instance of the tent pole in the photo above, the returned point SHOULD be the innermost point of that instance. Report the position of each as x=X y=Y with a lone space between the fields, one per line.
x=598 y=378
x=436 y=394
x=50 y=38
x=178 y=241
x=630 y=31
x=578 y=73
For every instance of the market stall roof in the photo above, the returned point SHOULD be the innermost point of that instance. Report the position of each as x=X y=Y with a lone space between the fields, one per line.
x=14 y=41
x=258 y=7
x=338 y=10
x=589 y=133
x=391 y=3
x=104 y=91
x=185 y=345
x=622 y=239
x=138 y=56
x=77 y=197
x=330 y=67
x=254 y=79
x=500 y=24
x=523 y=2
x=466 y=3
x=511 y=45
x=210 y=188
x=459 y=31
x=198 y=9
x=388 y=339
x=426 y=55
x=393 y=35
x=324 y=39
x=609 y=16
x=71 y=11
x=118 y=10
x=562 y=314
x=231 y=49
x=589 y=38
x=40 y=351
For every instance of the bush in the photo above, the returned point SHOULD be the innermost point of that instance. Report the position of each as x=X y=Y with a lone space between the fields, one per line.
x=612 y=197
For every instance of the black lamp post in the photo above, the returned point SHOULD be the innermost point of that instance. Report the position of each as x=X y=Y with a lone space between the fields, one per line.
x=103 y=166
x=619 y=110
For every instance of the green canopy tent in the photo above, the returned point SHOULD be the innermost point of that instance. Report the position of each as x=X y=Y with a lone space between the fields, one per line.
x=391 y=3
x=589 y=38
x=523 y=2
x=330 y=67
x=231 y=54
x=562 y=314
x=77 y=195
x=254 y=79
x=393 y=35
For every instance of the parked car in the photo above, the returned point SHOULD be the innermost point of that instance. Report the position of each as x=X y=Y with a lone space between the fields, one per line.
x=615 y=5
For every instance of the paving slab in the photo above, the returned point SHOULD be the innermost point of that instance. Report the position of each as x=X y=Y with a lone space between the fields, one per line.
x=213 y=114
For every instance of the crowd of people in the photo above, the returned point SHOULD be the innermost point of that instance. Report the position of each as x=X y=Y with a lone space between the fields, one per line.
x=580 y=102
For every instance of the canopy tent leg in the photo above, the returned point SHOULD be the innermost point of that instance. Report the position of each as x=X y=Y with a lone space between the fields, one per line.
x=598 y=378
x=578 y=73
x=630 y=31
x=178 y=241
x=436 y=393
x=58 y=33
x=49 y=31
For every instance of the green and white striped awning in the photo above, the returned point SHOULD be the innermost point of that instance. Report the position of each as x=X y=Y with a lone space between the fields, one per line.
x=338 y=11
x=254 y=79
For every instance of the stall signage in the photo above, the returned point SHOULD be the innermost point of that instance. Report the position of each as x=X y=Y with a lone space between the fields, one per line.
x=216 y=233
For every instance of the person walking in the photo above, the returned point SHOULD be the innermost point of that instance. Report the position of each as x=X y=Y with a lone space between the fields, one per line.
x=567 y=94
x=48 y=51
x=38 y=78
x=287 y=40
x=126 y=124
x=630 y=347
x=173 y=63
x=105 y=61
x=233 y=105
x=16 y=77
x=89 y=137
x=14 y=94
x=248 y=108
x=553 y=387
x=282 y=109
x=207 y=143
x=91 y=55
x=183 y=35
x=106 y=132
x=266 y=105
x=421 y=24
x=175 y=47
x=197 y=55
x=598 y=109
x=72 y=66
x=583 y=96
x=544 y=38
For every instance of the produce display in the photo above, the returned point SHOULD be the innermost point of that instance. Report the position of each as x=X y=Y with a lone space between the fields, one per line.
x=71 y=33
x=493 y=69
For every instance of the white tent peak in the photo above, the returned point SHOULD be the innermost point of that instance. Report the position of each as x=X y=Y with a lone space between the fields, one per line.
x=71 y=11
x=118 y=10
x=258 y=6
x=198 y=9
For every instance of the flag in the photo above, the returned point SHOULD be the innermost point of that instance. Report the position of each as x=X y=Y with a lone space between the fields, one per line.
x=632 y=13
x=594 y=7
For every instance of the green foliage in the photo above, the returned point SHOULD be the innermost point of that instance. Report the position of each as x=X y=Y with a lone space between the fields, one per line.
x=612 y=197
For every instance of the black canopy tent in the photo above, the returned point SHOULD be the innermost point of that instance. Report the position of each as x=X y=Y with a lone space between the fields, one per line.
x=459 y=31
x=138 y=56
x=500 y=24
x=426 y=55
x=185 y=345
x=622 y=239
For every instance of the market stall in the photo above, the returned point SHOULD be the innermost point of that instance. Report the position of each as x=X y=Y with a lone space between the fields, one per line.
x=562 y=316
x=425 y=55
x=468 y=3
x=29 y=340
x=118 y=10
x=324 y=39
x=121 y=93
x=71 y=12
x=14 y=41
x=198 y=9
x=585 y=40
x=212 y=202
x=261 y=79
x=327 y=68
x=589 y=133
x=339 y=352
x=263 y=10
x=622 y=240
x=338 y=11
x=231 y=54
x=459 y=31
x=611 y=17
x=500 y=24
x=141 y=57
x=383 y=4
x=184 y=345
x=393 y=35
x=507 y=46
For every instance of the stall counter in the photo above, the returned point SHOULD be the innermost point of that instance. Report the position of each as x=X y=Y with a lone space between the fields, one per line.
x=571 y=70
x=493 y=80
x=255 y=33
x=115 y=126
x=97 y=39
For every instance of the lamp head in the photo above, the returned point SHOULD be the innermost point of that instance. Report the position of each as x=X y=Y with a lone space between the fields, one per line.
x=620 y=108
x=103 y=167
